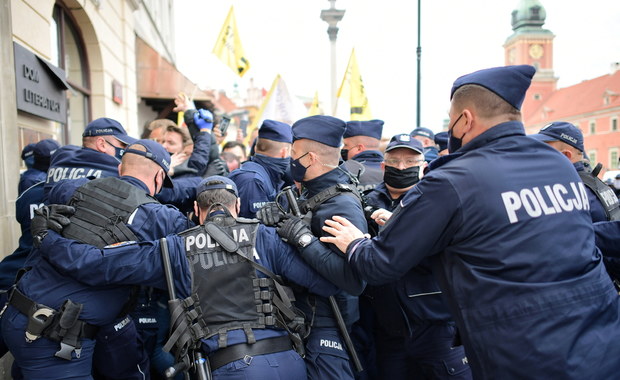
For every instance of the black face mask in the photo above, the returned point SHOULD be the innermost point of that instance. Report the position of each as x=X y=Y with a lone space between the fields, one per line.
x=454 y=143
x=344 y=153
x=401 y=179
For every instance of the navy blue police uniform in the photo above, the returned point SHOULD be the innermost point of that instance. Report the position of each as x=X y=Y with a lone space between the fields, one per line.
x=260 y=179
x=116 y=336
x=326 y=352
x=414 y=329
x=518 y=266
x=30 y=199
x=365 y=165
x=441 y=139
x=141 y=263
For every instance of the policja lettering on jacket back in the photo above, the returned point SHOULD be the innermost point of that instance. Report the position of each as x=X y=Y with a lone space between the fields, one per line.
x=554 y=201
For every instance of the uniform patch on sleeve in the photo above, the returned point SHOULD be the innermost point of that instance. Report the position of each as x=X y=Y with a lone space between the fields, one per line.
x=120 y=244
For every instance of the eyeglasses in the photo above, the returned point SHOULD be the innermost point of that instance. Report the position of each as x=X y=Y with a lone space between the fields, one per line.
x=406 y=162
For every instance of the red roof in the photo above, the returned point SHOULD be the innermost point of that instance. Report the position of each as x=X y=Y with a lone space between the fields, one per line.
x=583 y=98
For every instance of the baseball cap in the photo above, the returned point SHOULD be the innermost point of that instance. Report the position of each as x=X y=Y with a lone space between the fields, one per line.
x=404 y=140
x=108 y=127
x=561 y=131
x=424 y=132
x=217 y=182
x=154 y=152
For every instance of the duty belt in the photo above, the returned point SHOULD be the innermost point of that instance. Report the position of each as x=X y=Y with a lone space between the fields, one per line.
x=248 y=351
x=60 y=326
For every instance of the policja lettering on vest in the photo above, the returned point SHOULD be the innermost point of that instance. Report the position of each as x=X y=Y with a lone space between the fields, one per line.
x=536 y=204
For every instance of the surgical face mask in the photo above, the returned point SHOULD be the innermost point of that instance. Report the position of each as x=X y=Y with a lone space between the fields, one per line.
x=454 y=143
x=344 y=153
x=298 y=171
x=401 y=179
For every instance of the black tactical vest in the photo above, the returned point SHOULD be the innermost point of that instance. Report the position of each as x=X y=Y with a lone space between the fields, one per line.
x=102 y=208
x=230 y=294
x=367 y=176
x=604 y=193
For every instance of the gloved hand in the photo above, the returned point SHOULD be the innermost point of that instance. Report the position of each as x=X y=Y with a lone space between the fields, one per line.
x=52 y=217
x=294 y=231
x=203 y=120
x=270 y=214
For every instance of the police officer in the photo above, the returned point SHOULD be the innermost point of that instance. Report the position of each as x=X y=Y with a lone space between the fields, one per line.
x=568 y=140
x=427 y=138
x=327 y=191
x=30 y=199
x=511 y=240
x=241 y=341
x=441 y=139
x=39 y=156
x=414 y=330
x=123 y=208
x=361 y=153
x=259 y=180
x=103 y=143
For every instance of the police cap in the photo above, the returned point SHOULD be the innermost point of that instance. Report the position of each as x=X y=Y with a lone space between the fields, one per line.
x=370 y=128
x=424 y=132
x=508 y=82
x=561 y=131
x=275 y=131
x=326 y=130
x=154 y=152
x=28 y=151
x=108 y=127
x=217 y=182
x=404 y=140
x=441 y=139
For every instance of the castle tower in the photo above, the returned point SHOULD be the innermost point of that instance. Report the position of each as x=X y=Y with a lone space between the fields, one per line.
x=530 y=44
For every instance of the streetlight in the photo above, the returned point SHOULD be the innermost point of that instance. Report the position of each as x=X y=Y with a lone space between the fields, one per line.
x=332 y=16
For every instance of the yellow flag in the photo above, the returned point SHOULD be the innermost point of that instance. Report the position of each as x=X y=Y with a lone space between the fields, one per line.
x=352 y=90
x=228 y=46
x=314 y=108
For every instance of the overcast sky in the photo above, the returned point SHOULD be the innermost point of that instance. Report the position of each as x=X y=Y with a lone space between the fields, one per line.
x=287 y=37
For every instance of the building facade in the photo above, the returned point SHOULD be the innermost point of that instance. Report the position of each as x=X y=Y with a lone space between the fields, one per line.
x=592 y=105
x=67 y=62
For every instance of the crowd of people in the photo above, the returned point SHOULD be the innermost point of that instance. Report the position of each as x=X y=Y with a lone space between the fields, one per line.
x=319 y=253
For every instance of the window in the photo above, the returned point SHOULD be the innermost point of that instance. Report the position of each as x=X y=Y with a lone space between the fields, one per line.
x=592 y=157
x=592 y=127
x=613 y=158
x=69 y=54
x=614 y=124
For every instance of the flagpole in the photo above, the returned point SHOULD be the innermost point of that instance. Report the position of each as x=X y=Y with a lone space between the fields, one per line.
x=419 y=53
x=332 y=16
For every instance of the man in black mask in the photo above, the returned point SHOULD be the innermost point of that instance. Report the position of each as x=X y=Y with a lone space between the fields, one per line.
x=414 y=331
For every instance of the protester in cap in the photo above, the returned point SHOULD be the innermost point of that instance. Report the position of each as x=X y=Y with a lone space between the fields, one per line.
x=361 y=153
x=240 y=340
x=124 y=210
x=568 y=140
x=511 y=238
x=260 y=179
x=103 y=142
x=410 y=314
x=327 y=191
x=441 y=139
